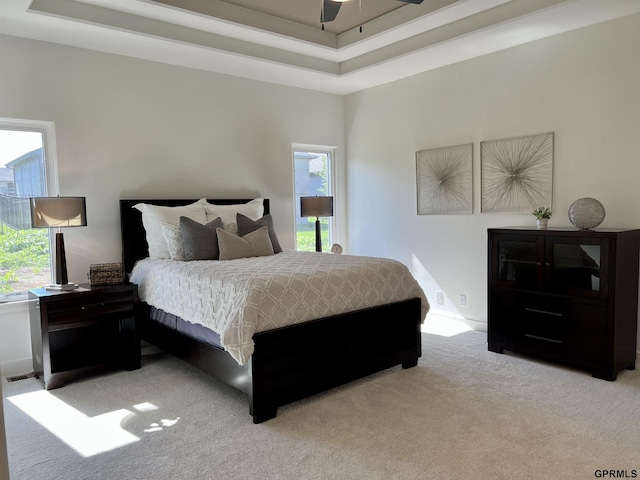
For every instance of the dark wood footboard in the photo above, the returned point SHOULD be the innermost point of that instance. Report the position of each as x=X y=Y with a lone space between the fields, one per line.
x=295 y=362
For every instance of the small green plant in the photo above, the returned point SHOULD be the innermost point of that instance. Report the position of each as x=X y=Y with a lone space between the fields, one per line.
x=542 y=212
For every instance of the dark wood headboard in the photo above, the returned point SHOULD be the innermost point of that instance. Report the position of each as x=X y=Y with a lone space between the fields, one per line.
x=134 y=243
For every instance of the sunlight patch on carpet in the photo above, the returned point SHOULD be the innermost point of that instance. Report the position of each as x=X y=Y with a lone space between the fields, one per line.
x=86 y=435
x=145 y=407
x=444 y=326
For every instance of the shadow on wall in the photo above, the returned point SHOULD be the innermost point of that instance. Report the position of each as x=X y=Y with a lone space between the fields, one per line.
x=438 y=300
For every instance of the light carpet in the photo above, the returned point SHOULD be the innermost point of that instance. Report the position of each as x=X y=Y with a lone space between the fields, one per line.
x=462 y=413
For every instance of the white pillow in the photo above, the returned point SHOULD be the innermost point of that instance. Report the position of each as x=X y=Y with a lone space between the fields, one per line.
x=253 y=209
x=173 y=237
x=153 y=215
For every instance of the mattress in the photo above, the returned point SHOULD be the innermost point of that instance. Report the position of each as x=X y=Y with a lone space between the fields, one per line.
x=237 y=298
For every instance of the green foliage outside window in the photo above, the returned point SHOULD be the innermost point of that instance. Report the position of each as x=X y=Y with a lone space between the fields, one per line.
x=324 y=175
x=306 y=240
x=22 y=252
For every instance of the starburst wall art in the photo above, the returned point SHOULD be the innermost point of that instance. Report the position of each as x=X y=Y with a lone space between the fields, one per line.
x=444 y=180
x=516 y=173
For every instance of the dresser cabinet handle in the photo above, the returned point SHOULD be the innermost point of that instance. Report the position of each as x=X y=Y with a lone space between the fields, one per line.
x=544 y=312
x=545 y=339
x=95 y=305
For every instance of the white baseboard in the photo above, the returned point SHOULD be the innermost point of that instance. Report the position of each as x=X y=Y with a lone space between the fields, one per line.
x=442 y=316
x=17 y=367
x=475 y=324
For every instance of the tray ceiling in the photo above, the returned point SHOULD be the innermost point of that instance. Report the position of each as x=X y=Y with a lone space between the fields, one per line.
x=280 y=41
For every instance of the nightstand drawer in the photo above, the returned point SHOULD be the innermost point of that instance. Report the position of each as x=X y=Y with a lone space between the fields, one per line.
x=89 y=307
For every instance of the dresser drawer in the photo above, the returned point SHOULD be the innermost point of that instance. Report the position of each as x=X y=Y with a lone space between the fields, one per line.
x=547 y=319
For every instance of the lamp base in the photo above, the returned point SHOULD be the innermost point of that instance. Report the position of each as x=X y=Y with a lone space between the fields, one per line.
x=318 y=236
x=62 y=287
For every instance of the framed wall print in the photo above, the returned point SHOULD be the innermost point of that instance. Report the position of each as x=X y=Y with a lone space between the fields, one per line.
x=444 y=179
x=516 y=174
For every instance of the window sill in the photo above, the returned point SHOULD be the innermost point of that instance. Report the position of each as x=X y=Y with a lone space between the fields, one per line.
x=17 y=304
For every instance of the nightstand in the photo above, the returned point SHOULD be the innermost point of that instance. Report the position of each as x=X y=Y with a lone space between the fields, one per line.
x=81 y=332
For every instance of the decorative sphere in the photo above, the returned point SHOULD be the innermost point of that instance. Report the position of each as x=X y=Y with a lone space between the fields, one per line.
x=586 y=213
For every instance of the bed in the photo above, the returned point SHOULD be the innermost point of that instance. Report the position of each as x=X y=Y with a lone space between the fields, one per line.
x=286 y=363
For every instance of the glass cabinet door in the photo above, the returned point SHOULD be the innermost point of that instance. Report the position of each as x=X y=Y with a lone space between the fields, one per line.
x=518 y=261
x=576 y=266
x=569 y=265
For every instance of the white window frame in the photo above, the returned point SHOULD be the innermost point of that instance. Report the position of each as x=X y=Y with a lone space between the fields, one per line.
x=331 y=152
x=48 y=131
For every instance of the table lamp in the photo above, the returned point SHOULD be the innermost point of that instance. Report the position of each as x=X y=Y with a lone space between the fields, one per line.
x=316 y=207
x=59 y=212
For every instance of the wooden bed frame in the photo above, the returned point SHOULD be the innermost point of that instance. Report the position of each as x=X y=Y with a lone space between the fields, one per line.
x=293 y=362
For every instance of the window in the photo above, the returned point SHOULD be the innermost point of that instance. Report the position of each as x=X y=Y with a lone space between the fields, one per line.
x=313 y=175
x=27 y=169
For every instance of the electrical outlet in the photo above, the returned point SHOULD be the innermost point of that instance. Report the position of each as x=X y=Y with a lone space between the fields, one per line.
x=462 y=300
x=440 y=298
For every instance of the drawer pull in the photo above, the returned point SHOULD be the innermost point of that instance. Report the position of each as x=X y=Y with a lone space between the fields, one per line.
x=95 y=305
x=545 y=339
x=544 y=312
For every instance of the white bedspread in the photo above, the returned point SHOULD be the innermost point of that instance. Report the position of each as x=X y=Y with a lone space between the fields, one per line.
x=237 y=298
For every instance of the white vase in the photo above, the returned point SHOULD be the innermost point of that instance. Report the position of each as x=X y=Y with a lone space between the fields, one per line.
x=542 y=223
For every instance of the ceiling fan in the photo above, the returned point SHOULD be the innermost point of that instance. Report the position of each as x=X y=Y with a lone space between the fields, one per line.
x=330 y=9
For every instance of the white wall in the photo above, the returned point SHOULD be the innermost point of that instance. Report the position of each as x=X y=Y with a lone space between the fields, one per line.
x=583 y=85
x=128 y=128
x=15 y=340
x=4 y=460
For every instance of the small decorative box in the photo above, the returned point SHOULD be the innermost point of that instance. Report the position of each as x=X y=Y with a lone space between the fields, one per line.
x=106 y=273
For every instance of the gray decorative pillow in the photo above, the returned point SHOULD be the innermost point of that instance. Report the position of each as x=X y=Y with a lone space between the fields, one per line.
x=200 y=242
x=246 y=225
x=254 y=244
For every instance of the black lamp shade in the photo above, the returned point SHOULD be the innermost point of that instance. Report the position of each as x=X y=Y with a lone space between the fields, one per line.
x=316 y=206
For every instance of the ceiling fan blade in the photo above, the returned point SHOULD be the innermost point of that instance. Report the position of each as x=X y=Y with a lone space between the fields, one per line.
x=417 y=2
x=329 y=11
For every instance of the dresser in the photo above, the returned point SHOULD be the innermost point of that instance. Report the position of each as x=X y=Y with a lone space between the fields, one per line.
x=565 y=295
